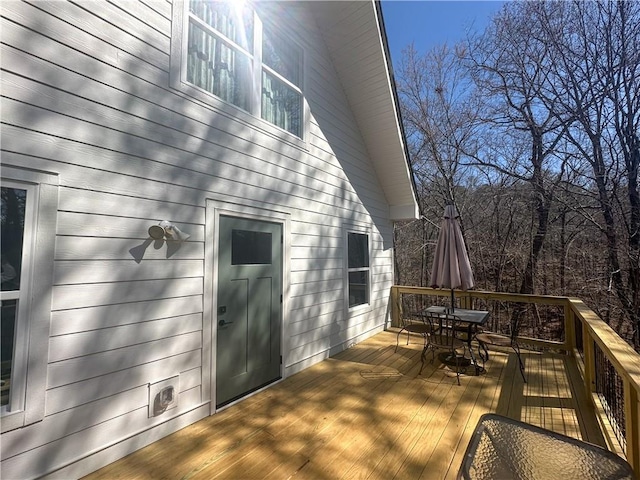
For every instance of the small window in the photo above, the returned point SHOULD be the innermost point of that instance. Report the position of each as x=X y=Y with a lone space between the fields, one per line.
x=358 y=269
x=250 y=248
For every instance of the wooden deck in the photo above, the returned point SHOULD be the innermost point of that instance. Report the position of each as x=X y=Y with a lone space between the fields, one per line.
x=366 y=413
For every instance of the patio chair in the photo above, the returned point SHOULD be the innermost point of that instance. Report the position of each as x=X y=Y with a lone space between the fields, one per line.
x=486 y=339
x=501 y=447
x=412 y=320
x=445 y=337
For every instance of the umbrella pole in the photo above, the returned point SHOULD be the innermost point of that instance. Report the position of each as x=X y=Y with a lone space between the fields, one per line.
x=453 y=307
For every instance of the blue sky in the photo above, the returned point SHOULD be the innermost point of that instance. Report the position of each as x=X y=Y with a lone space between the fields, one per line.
x=428 y=23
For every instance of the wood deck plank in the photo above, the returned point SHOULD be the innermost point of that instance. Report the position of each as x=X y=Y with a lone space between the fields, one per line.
x=384 y=428
x=417 y=424
x=390 y=375
x=399 y=409
x=452 y=437
x=487 y=397
x=376 y=377
x=366 y=413
x=387 y=429
x=338 y=456
x=588 y=424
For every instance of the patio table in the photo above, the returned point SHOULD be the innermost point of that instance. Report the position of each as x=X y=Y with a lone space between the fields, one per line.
x=503 y=448
x=473 y=319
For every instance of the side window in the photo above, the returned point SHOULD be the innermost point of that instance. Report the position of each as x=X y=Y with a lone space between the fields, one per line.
x=27 y=236
x=358 y=271
x=16 y=231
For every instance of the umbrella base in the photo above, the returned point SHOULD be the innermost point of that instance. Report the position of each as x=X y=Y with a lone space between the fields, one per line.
x=448 y=359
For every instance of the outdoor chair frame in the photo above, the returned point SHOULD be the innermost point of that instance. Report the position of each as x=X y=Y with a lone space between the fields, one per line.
x=412 y=320
x=445 y=327
x=486 y=339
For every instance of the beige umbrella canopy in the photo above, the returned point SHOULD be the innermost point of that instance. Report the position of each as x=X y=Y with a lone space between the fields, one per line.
x=451 y=266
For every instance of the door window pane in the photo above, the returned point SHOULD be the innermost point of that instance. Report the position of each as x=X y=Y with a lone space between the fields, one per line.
x=250 y=248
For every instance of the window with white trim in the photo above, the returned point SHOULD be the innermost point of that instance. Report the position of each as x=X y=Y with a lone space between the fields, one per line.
x=17 y=232
x=233 y=54
x=358 y=269
x=27 y=235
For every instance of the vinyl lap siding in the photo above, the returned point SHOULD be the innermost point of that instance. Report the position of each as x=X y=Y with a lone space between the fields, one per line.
x=85 y=92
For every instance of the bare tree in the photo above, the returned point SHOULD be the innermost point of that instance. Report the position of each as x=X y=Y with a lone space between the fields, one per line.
x=438 y=110
x=510 y=68
x=532 y=131
x=595 y=81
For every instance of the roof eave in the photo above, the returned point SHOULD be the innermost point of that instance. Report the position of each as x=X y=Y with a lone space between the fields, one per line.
x=355 y=36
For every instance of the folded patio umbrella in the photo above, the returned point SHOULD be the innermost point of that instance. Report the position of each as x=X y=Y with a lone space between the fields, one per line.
x=451 y=266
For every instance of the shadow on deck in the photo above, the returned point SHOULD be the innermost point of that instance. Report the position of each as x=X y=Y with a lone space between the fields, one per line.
x=366 y=413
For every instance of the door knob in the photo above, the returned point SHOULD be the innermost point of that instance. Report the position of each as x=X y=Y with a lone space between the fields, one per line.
x=222 y=323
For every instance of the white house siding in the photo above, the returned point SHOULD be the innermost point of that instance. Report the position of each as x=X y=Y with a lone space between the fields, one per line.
x=85 y=94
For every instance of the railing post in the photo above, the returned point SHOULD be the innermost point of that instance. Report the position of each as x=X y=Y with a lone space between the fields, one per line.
x=466 y=301
x=589 y=362
x=632 y=426
x=569 y=329
x=395 y=314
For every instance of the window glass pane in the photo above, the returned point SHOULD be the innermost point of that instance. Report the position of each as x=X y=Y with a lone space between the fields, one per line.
x=218 y=68
x=12 y=233
x=250 y=248
x=283 y=56
x=358 y=288
x=232 y=19
x=7 y=335
x=281 y=105
x=358 y=250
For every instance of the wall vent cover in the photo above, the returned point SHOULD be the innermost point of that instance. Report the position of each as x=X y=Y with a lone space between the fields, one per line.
x=163 y=395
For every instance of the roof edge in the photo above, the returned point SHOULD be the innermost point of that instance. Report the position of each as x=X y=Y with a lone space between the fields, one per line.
x=396 y=100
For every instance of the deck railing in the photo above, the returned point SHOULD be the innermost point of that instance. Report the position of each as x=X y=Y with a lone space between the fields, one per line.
x=610 y=368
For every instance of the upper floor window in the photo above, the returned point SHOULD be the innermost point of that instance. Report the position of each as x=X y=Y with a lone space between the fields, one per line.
x=281 y=79
x=232 y=54
x=219 y=50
